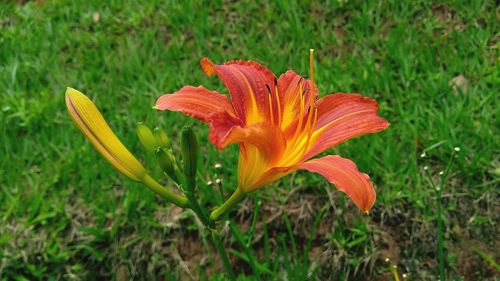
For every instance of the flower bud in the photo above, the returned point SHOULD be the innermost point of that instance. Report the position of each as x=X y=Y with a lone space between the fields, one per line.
x=161 y=138
x=167 y=163
x=90 y=121
x=147 y=138
x=189 y=150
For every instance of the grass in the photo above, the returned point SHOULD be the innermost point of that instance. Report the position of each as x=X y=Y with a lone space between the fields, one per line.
x=66 y=214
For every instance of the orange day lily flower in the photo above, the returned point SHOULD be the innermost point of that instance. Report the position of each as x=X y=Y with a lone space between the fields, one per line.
x=280 y=124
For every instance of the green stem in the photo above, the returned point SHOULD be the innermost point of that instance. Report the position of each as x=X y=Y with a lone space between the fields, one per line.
x=223 y=254
x=167 y=194
x=200 y=212
x=230 y=203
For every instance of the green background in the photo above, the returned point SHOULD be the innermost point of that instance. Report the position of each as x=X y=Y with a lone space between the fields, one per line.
x=65 y=214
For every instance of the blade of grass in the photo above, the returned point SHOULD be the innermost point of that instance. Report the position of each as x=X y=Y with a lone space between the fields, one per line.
x=286 y=259
x=255 y=214
x=291 y=238
x=312 y=233
x=223 y=254
x=239 y=238
x=488 y=259
x=267 y=250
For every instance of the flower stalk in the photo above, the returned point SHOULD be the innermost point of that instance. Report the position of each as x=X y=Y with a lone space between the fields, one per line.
x=167 y=194
x=229 y=204
x=216 y=239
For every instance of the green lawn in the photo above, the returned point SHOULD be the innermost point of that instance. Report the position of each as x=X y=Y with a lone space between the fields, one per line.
x=65 y=214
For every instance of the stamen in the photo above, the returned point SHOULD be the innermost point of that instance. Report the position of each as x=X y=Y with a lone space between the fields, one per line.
x=301 y=113
x=302 y=100
x=310 y=130
x=270 y=101
x=310 y=106
x=313 y=123
x=312 y=90
x=311 y=115
x=311 y=68
x=278 y=103
x=300 y=81
x=305 y=132
x=268 y=89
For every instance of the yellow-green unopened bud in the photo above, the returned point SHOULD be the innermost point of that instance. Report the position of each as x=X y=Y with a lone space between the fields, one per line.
x=92 y=124
x=162 y=138
x=189 y=149
x=147 y=138
x=167 y=163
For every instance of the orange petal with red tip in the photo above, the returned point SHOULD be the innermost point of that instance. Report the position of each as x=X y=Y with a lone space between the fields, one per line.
x=196 y=102
x=342 y=117
x=246 y=82
x=347 y=178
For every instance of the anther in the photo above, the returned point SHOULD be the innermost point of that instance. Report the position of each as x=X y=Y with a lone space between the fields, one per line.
x=300 y=81
x=268 y=89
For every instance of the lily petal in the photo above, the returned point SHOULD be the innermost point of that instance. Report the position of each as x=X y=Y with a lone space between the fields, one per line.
x=342 y=117
x=289 y=89
x=205 y=105
x=196 y=102
x=347 y=178
x=246 y=82
x=221 y=124
x=269 y=176
x=267 y=138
